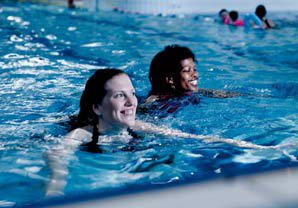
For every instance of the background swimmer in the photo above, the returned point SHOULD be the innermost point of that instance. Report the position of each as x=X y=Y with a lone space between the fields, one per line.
x=224 y=16
x=255 y=20
x=230 y=18
x=261 y=13
x=234 y=17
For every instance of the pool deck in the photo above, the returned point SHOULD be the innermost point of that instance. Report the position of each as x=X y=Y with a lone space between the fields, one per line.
x=269 y=189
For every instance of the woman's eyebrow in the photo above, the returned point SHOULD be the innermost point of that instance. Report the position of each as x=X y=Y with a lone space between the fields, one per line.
x=115 y=91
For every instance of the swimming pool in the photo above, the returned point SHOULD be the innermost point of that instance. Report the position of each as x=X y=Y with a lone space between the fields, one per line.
x=46 y=61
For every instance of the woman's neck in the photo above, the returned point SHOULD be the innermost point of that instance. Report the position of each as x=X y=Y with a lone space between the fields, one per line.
x=106 y=129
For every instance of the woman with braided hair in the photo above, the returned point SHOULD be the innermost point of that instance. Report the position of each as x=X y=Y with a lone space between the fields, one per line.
x=107 y=111
x=107 y=106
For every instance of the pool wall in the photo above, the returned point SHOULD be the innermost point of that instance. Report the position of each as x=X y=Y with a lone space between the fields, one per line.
x=271 y=189
x=183 y=6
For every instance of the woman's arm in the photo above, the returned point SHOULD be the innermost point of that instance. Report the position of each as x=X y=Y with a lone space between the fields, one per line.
x=218 y=93
x=250 y=17
x=164 y=130
x=59 y=158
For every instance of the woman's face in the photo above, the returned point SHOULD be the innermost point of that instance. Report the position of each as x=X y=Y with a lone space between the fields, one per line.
x=118 y=108
x=188 y=75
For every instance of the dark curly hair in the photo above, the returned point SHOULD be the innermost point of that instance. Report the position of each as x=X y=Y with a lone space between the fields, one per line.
x=166 y=64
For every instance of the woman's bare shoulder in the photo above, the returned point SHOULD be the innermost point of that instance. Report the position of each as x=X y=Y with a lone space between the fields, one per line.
x=81 y=134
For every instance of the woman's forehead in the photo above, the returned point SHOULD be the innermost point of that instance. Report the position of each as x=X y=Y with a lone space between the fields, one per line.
x=118 y=83
x=187 y=62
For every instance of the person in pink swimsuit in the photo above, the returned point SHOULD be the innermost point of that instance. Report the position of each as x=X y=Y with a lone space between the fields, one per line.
x=234 y=19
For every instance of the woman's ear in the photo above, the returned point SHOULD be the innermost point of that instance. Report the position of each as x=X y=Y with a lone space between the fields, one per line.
x=97 y=109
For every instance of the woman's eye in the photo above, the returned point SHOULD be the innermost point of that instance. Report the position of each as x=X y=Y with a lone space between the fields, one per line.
x=186 y=70
x=119 y=95
x=134 y=93
x=189 y=69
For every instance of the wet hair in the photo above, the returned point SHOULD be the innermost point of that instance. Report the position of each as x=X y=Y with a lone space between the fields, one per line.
x=222 y=11
x=261 y=11
x=93 y=94
x=166 y=64
x=233 y=15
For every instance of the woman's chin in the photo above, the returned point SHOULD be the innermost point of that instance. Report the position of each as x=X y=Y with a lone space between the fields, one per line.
x=196 y=89
x=128 y=123
x=131 y=123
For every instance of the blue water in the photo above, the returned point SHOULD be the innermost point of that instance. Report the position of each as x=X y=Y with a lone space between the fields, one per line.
x=48 y=53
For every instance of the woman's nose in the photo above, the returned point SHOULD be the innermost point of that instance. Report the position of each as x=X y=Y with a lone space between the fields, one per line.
x=129 y=101
x=195 y=74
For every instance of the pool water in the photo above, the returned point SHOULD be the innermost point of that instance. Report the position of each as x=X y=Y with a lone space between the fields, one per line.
x=47 y=53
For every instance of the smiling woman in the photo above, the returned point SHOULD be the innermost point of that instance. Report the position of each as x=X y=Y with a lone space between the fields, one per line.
x=108 y=104
x=188 y=75
x=120 y=103
x=174 y=81
x=107 y=107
